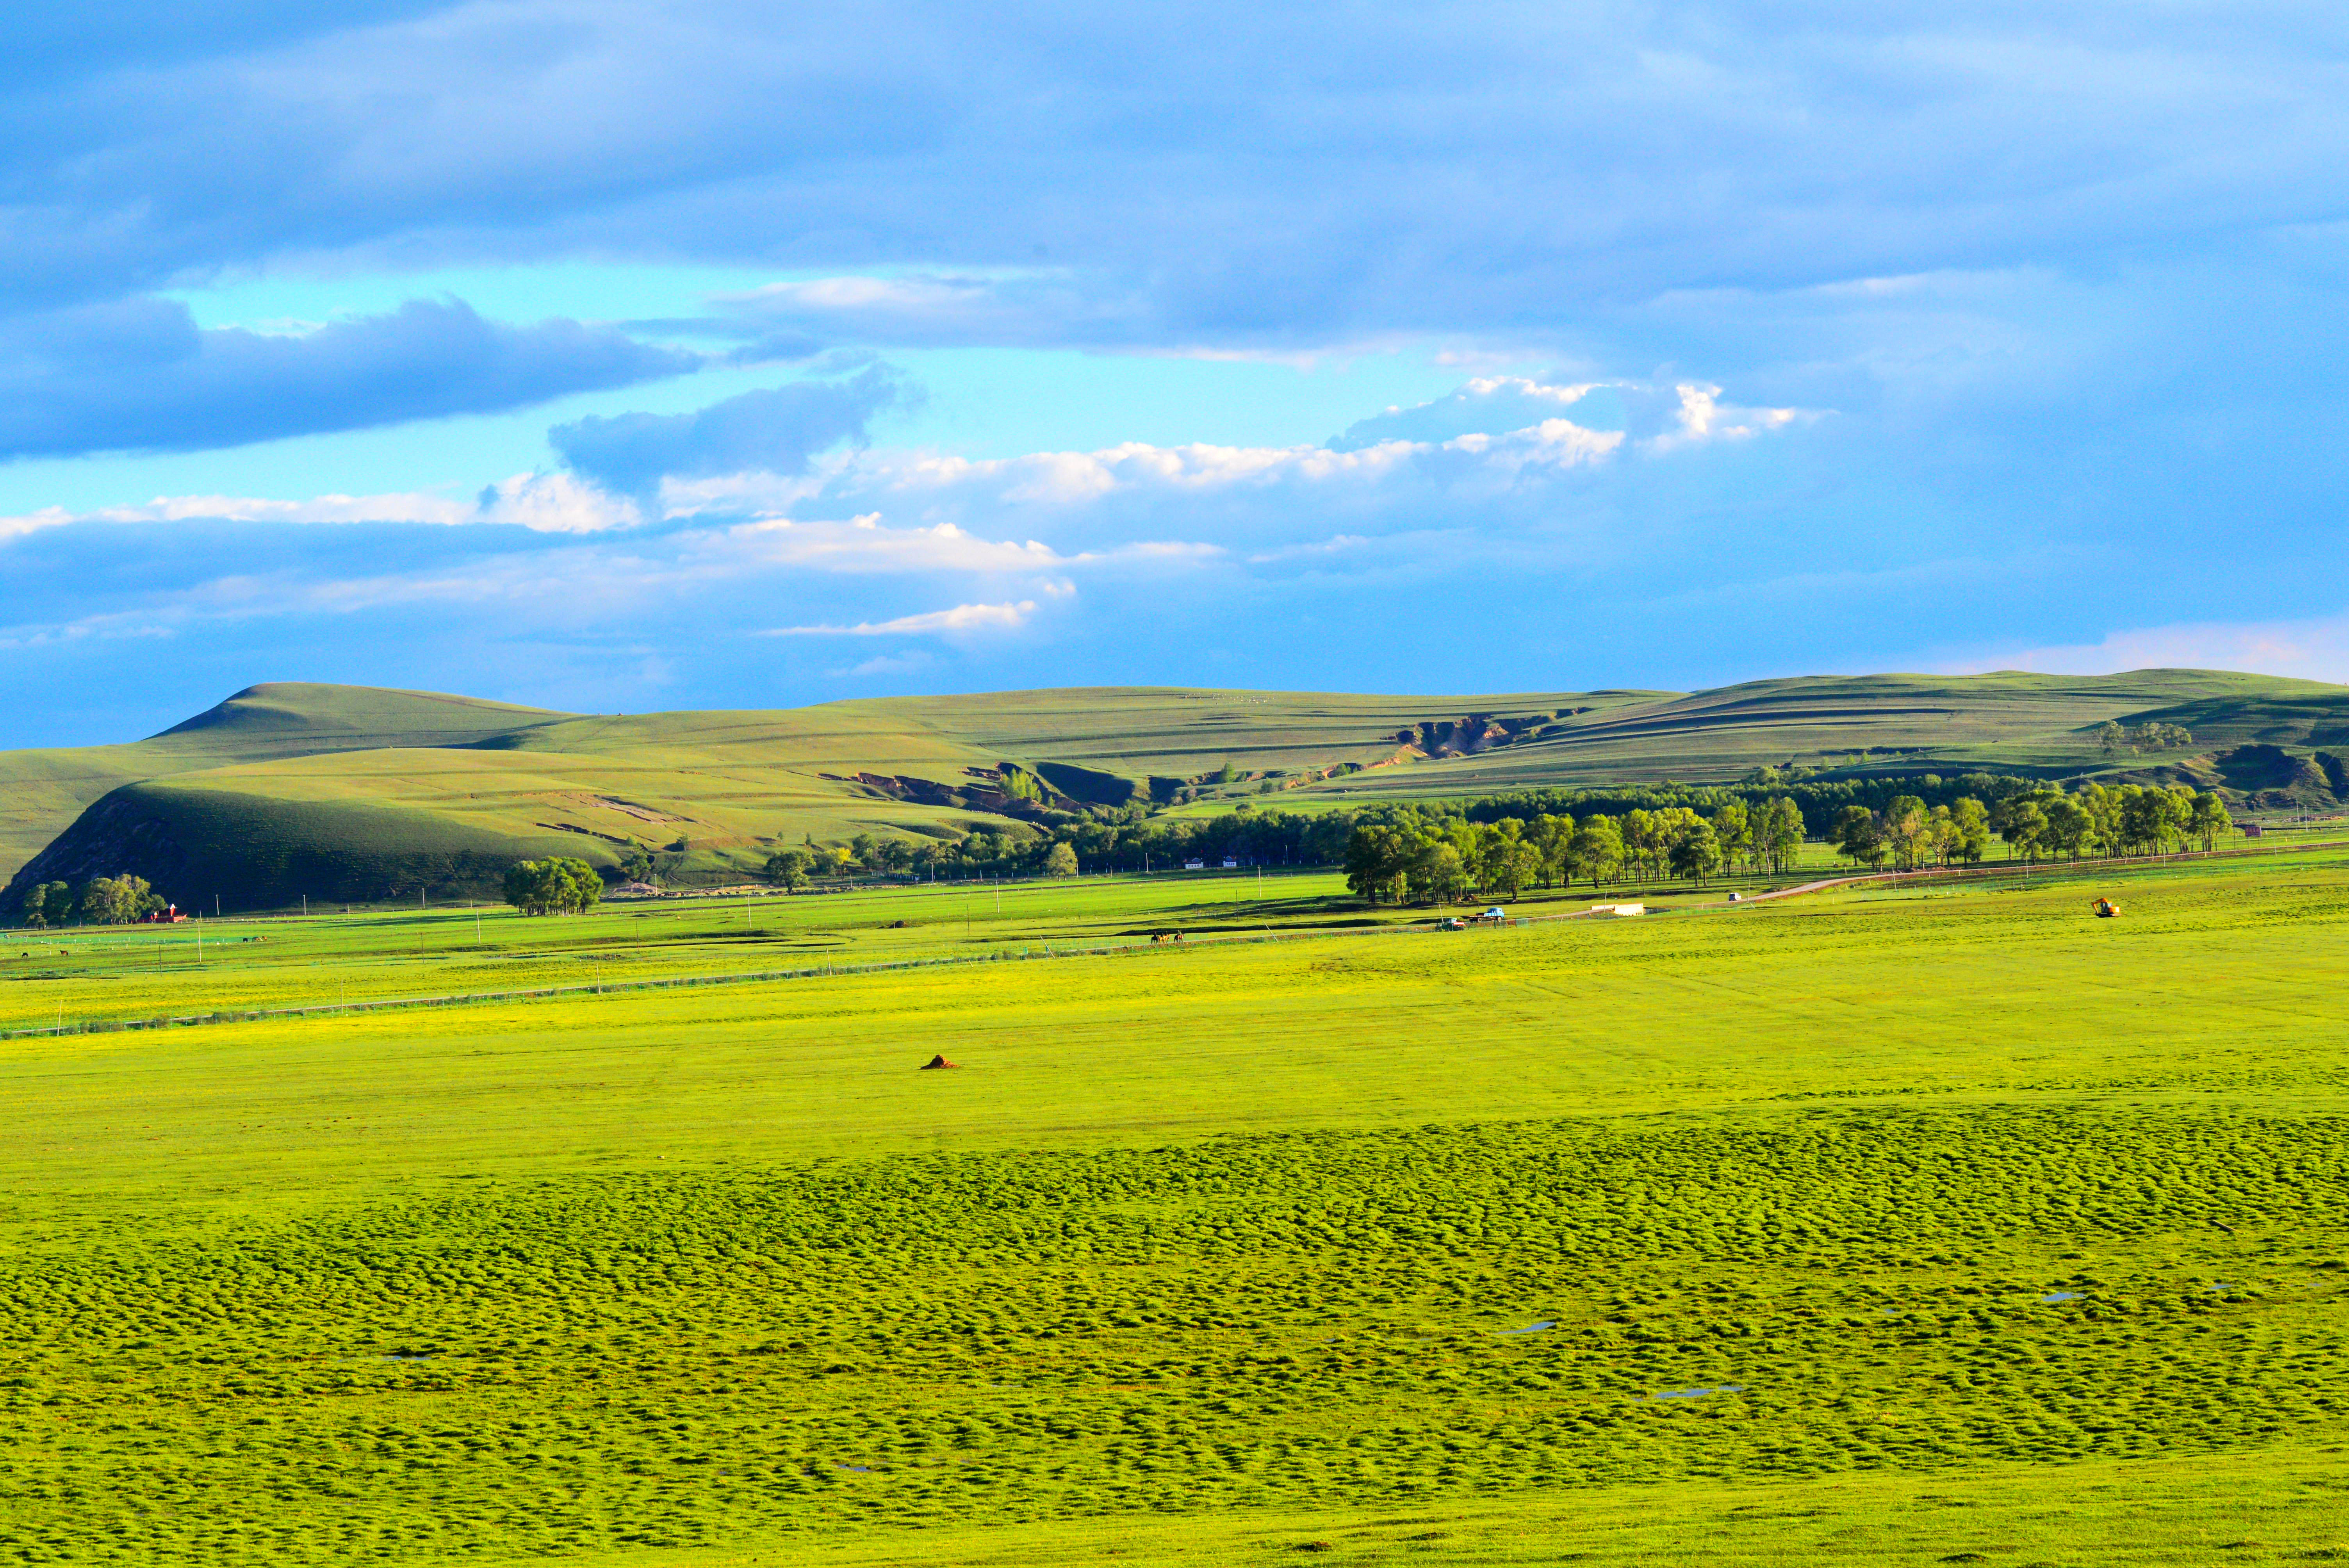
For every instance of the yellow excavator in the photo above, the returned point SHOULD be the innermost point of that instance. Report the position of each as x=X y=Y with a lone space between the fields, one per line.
x=2106 y=909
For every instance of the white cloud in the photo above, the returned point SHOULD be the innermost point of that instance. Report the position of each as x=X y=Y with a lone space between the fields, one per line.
x=862 y=544
x=1075 y=479
x=1334 y=544
x=1702 y=416
x=549 y=503
x=903 y=664
x=1526 y=388
x=991 y=537
x=2313 y=649
x=1025 y=307
x=932 y=623
x=409 y=506
x=554 y=503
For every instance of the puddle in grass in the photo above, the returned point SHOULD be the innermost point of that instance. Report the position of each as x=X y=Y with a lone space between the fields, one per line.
x=1700 y=1391
x=412 y=1355
x=860 y=1469
x=1535 y=1329
x=2061 y=1295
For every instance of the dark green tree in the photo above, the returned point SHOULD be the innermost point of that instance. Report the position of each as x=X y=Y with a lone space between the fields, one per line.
x=1595 y=849
x=556 y=885
x=1857 y=838
x=2207 y=819
x=117 y=900
x=1696 y=852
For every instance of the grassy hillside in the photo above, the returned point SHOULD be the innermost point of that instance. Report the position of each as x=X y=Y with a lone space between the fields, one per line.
x=43 y=791
x=1911 y=1225
x=1178 y=732
x=2010 y=721
x=728 y=786
x=433 y=791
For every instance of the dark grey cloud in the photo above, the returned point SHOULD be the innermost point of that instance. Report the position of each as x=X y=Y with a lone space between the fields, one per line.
x=1214 y=171
x=775 y=430
x=137 y=375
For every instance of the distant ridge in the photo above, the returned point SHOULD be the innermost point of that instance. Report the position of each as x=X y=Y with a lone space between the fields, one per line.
x=362 y=793
x=368 y=715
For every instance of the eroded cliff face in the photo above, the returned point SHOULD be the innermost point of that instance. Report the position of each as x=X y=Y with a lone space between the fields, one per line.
x=1472 y=733
x=2271 y=777
x=983 y=791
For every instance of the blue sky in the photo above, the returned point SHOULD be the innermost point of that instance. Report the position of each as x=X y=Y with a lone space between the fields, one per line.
x=617 y=356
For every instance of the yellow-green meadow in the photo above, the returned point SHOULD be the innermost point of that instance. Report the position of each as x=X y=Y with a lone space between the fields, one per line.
x=1911 y=1216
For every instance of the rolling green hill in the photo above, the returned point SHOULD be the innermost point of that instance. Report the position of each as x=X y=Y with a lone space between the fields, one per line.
x=354 y=794
x=43 y=791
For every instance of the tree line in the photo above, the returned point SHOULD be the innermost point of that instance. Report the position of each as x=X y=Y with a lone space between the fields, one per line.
x=2043 y=824
x=1444 y=851
x=1821 y=801
x=102 y=901
x=1115 y=839
x=1433 y=856
x=2095 y=819
x=1406 y=855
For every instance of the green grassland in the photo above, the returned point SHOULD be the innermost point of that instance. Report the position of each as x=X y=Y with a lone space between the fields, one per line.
x=93 y=975
x=352 y=794
x=98 y=976
x=1904 y=1224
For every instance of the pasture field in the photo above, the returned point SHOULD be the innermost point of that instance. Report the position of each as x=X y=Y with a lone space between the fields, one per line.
x=78 y=975
x=1906 y=1224
x=82 y=977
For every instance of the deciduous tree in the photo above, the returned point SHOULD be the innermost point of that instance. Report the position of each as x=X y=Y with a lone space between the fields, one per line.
x=1696 y=851
x=1857 y=838
x=556 y=885
x=1595 y=849
x=2207 y=819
